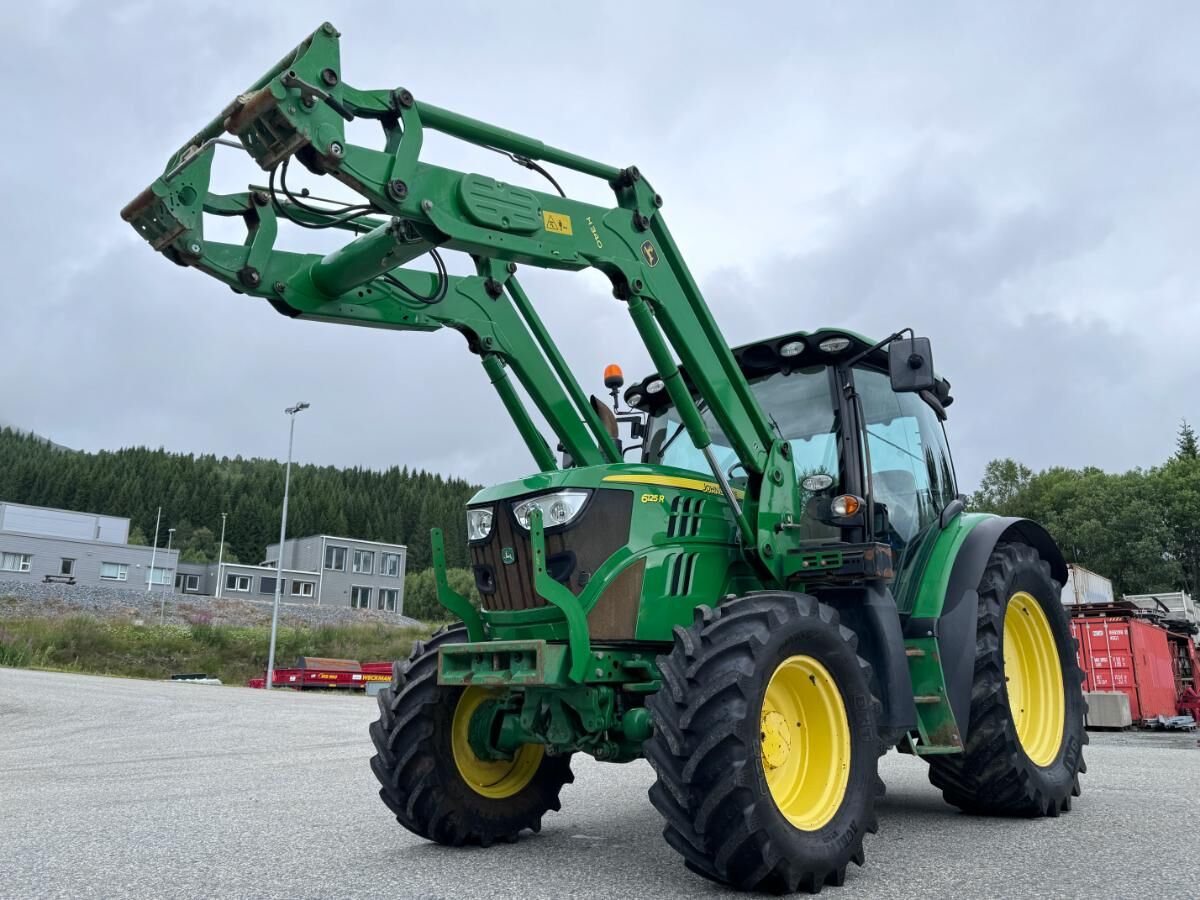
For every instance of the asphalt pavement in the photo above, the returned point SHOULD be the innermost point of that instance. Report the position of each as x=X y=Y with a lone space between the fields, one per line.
x=119 y=788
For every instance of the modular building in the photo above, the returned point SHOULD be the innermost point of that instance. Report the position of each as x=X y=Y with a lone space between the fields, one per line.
x=43 y=545
x=322 y=570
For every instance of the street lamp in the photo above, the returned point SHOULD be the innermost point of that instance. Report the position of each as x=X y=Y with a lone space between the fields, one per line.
x=162 y=606
x=154 y=552
x=221 y=554
x=287 y=478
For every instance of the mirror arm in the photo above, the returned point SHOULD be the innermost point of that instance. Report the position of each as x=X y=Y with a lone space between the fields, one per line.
x=887 y=340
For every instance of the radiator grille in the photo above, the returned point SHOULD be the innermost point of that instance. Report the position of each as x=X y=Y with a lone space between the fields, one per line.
x=572 y=554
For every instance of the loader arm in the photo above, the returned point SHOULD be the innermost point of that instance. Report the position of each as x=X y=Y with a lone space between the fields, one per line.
x=297 y=112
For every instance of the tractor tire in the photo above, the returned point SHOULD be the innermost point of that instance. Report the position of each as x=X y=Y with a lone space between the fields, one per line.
x=431 y=779
x=744 y=685
x=1024 y=746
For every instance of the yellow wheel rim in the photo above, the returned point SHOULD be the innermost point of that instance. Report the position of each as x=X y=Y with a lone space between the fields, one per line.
x=1036 y=697
x=496 y=779
x=805 y=739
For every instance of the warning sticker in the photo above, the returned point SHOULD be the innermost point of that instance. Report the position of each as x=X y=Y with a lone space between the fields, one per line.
x=557 y=223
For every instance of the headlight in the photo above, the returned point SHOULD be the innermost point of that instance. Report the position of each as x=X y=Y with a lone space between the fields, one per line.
x=557 y=509
x=479 y=524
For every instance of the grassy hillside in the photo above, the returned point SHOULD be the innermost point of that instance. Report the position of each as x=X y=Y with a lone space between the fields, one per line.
x=233 y=654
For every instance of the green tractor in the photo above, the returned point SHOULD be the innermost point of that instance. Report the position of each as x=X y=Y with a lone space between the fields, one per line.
x=768 y=583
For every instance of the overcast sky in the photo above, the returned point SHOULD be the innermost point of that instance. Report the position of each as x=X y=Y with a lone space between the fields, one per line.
x=1018 y=182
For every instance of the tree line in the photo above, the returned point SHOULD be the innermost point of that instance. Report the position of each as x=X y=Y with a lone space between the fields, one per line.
x=1139 y=528
x=396 y=505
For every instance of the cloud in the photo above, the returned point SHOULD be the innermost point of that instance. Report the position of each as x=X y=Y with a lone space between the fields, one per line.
x=1018 y=183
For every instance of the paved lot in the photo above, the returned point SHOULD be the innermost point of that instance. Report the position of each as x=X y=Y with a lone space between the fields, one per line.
x=112 y=788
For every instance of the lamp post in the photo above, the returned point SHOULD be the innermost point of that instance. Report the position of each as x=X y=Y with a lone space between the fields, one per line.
x=221 y=554
x=154 y=552
x=287 y=478
x=162 y=606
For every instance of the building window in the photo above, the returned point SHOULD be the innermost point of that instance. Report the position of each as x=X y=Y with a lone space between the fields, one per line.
x=389 y=564
x=302 y=588
x=335 y=558
x=360 y=598
x=15 y=562
x=114 y=571
x=238 y=583
x=364 y=562
x=266 y=584
x=192 y=583
x=158 y=575
x=67 y=567
x=388 y=598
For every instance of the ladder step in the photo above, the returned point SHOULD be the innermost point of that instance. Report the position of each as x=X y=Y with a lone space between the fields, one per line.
x=927 y=699
x=914 y=651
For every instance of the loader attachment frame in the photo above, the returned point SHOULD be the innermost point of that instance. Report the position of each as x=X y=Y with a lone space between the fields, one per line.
x=297 y=112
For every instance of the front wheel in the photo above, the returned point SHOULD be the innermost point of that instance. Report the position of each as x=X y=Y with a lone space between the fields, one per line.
x=429 y=774
x=765 y=744
x=1024 y=749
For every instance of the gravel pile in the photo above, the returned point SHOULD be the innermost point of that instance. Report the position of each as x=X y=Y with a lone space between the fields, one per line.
x=19 y=600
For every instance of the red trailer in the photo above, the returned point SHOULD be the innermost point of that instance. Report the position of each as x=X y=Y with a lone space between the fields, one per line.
x=1128 y=654
x=316 y=672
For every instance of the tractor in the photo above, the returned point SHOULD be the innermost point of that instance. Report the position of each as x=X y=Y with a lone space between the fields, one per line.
x=758 y=574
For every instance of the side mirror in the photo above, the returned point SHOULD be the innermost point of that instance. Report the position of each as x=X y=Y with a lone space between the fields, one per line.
x=910 y=365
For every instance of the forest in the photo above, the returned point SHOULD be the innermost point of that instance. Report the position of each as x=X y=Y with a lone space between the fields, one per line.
x=1139 y=528
x=397 y=505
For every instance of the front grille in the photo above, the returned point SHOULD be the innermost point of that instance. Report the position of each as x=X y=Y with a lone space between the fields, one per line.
x=573 y=553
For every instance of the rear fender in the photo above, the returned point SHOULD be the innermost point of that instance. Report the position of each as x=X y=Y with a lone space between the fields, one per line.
x=957 y=620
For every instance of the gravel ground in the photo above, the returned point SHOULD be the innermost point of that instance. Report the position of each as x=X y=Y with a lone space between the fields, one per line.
x=121 y=788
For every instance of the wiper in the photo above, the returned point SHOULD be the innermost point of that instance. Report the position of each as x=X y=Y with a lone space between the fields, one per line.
x=700 y=407
x=904 y=450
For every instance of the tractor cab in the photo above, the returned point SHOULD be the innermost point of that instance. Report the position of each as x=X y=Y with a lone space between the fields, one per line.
x=865 y=427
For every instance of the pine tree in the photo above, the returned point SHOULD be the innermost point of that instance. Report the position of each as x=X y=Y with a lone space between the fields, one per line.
x=1185 y=444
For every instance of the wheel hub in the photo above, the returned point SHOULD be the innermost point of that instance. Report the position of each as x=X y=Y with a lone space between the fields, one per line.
x=496 y=779
x=1033 y=671
x=776 y=740
x=805 y=746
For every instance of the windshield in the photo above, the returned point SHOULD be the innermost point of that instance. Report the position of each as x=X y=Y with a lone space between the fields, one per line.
x=800 y=405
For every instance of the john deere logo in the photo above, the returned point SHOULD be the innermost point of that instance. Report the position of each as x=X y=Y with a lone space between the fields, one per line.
x=650 y=253
x=509 y=555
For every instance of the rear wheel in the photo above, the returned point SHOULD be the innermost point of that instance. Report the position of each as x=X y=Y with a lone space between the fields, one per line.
x=765 y=744
x=430 y=776
x=1024 y=749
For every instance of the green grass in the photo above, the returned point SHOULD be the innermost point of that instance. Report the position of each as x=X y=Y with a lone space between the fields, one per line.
x=233 y=654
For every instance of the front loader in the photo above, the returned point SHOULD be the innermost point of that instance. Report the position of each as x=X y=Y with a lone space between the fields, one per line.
x=779 y=585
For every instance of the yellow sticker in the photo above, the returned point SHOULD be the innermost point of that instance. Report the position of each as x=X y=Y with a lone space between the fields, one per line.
x=556 y=222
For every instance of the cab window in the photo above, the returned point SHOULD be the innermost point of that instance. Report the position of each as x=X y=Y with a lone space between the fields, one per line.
x=911 y=470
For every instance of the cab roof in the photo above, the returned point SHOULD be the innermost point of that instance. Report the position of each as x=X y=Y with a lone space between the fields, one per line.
x=765 y=357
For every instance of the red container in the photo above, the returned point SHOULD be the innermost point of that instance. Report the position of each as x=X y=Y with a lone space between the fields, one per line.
x=1128 y=655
